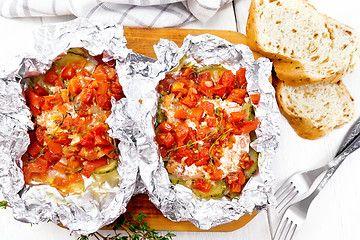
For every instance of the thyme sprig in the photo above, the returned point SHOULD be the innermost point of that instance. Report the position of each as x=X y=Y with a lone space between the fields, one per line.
x=40 y=154
x=134 y=226
x=221 y=137
x=4 y=204
x=190 y=144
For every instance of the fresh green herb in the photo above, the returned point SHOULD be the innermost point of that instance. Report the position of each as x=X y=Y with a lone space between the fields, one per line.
x=4 y=204
x=40 y=154
x=50 y=135
x=63 y=118
x=221 y=137
x=134 y=225
x=116 y=149
x=135 y=228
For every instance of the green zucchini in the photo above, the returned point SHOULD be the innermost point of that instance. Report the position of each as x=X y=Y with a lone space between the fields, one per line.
x=176 y=180
x=251 y=171
x=111 y=166
x=74 y=54
x=249 y=109
x=160 y=116
x=78 y=169
x=217 y=190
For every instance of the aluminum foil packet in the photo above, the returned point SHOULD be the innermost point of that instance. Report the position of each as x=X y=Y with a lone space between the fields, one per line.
x=177 y=202
x=103 y=200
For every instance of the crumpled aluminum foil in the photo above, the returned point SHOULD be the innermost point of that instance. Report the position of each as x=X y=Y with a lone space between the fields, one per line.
x=178 y=203
x=103 y=200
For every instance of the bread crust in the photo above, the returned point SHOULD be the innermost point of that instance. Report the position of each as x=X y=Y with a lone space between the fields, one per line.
x=291 y=70
x=303 y=126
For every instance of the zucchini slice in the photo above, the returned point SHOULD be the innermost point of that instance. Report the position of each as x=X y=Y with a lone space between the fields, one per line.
x=251 y=171
x=160 y=115
x=111 y=166
x=217 y=190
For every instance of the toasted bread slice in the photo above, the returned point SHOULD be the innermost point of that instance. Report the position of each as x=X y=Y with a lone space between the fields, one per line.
x=305 y=46
x=314 y=110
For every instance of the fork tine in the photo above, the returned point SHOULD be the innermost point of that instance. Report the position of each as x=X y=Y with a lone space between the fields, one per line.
x=282 y=189
x=291 y=231
x=283 y=204
x=280 y=229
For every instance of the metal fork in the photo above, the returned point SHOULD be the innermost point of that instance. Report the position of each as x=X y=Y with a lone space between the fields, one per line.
x=295 y=214
x=293 y=189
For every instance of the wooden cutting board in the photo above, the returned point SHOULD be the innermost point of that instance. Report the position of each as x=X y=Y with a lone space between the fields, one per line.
x=141 y=40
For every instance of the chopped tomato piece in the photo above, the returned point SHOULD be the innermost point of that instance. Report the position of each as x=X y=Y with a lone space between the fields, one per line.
x=62 y=138
x=178 y=87
x=75 y=86
x=191 y=99
x=61 y=183
x=116 y=87
x=51 y=157
x=100 y=129
x=40 y=165
x=100 y=140
x=238 y=116
x=53 y=146
x=211 y=122
x=51 y=77
x=90 y=166
x=86 y=95
x=219 y=90
x=88 y=153
x=40 y=90
x=110 y=72
x=203 y=156
x=88 y=140
x=34 y=149
x=228 y=80
x=206 y=88
x=60 y=167
x=204 y=76
x=103 y=101
x=255 y=98
x=186 y=73
x=246 y=127
x=240 y=77
x=202 y=185
x=68 y=72
x=216 y=175
x=203 y=132
x=34 y=99
x=40 y=133
x=235 y=187
x=197 y=113
x=67 y=121
x=100 y=74
x=181 y=133
x=102 y=88
x=166 y=139
x=165 y=127
x=208 y=107
x=181 y=114
x=237 y=95
x=51 y=101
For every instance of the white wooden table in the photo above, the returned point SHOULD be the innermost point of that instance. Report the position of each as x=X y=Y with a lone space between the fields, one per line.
x=334 y=213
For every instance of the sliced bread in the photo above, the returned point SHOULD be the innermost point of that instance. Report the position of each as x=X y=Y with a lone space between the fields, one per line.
x=314 y=110
x=305 y=46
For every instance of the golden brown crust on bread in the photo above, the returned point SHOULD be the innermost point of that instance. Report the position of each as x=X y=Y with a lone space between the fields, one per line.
x=303 y=118
x=301 y=56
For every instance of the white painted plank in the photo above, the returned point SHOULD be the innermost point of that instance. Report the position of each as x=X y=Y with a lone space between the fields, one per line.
x=334 y=213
